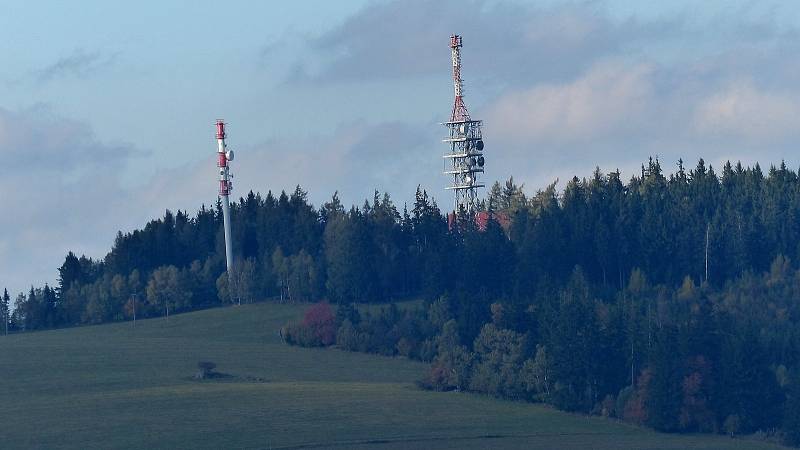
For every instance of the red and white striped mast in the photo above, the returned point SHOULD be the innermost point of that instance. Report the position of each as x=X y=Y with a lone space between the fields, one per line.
x=459 y=108
x=224 y=157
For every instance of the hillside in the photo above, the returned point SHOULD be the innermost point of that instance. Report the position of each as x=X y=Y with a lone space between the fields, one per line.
x=115 y=386
x=669 y=300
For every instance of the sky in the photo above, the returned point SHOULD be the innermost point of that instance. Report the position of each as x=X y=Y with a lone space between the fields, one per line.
x=107 y=108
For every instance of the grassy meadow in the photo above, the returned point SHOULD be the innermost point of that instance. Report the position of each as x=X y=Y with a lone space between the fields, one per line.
x=116 y=386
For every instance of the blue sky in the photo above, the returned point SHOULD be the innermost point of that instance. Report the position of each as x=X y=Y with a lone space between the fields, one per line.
x=112 y=104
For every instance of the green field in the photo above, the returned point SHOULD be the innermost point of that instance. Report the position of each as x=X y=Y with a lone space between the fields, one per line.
x=115 y=386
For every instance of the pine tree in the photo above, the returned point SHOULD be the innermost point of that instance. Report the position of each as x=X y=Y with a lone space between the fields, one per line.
x=5 y=311
x=33 y=317
x=70 y=272
x=665 y=393
x=18 y=319
x=573 y=337
x=48 y=304
x=791 y=415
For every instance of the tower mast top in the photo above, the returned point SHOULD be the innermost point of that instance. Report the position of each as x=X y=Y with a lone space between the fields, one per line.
x=460 y=112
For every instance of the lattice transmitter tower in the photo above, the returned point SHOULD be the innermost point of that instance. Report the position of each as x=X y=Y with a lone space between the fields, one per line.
x=465 y=160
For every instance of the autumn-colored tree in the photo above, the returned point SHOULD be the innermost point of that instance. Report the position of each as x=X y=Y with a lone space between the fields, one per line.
x=635 y=409
x=320 y=320
x=696 y=413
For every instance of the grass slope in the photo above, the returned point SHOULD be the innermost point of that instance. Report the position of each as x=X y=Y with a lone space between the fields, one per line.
x=113 y=386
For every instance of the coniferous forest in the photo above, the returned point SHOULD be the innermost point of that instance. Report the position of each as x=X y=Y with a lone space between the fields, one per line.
x=670 y=300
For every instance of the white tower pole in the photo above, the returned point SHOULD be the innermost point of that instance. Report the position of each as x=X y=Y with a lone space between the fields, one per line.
x=226 y=217
x=225 y=186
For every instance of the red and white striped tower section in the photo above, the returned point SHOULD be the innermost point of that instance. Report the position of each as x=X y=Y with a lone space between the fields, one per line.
x=465 y=160
x=225 y=156
x=459 y=108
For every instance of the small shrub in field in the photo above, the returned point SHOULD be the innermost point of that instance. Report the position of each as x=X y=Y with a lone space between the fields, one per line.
x=205 y=369
x=347 y=337
x=294 y=333
x=436 y=379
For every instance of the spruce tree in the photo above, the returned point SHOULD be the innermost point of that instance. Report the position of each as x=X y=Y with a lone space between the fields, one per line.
x=573 y=337
x=665 y=393
x=33 y=317
x=70 y=272
x=791 y=415
x=5 y=311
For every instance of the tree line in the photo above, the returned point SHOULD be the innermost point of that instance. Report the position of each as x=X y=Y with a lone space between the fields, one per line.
x=669 y=300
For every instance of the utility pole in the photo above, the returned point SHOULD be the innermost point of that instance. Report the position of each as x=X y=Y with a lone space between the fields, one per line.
x=6 y=310
x=708 y=228
x=133 y=297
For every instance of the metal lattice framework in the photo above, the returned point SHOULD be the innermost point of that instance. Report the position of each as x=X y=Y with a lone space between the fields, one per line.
x=465 y=160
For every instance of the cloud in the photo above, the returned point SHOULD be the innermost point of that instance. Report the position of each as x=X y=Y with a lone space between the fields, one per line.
x=610 y=99
x=616 y=115
x=61 y=192
x=397 y=40
x=740 y=109
x=79 y=64
x=36 y=139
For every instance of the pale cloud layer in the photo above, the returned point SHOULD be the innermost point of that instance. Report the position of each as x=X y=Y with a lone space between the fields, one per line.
x=37 y=139
x=740 y=109
x=79 y=63
x=54 y=180
x=505 y=42
x=608 y=100
x=561 y=89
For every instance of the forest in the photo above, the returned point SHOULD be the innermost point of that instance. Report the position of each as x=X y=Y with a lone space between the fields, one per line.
x=672 y=300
